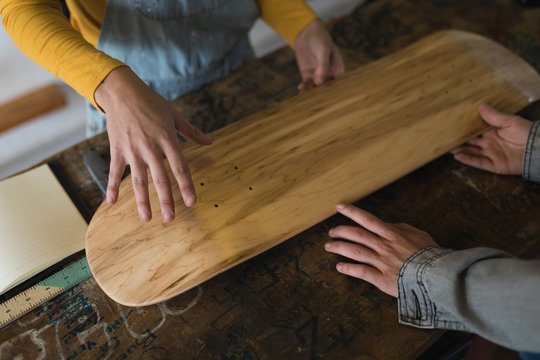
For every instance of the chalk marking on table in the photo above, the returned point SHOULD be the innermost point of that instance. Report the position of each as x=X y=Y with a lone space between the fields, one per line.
x=82 y=337
x=165 y=311
x=34 y=335
x=163 y=305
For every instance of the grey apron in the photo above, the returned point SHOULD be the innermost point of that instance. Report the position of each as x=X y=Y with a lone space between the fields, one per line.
x=175 y=46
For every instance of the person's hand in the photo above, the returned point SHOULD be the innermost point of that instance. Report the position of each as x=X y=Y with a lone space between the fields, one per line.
x=502 y=148
x=379 y=249
x=142 y=129
x=317 y=56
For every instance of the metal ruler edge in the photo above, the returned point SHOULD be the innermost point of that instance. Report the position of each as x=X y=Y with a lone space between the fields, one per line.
x=31 y=298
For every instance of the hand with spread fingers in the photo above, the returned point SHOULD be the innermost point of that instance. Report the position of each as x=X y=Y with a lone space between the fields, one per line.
x=318 y=57
x=500 y=150
x=378 y=249
x=142 y=128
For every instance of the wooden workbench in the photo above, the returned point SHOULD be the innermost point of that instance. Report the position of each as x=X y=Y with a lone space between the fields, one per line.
x=290 y=303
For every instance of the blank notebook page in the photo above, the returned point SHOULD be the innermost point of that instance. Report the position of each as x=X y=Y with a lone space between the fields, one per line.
x=39 y=225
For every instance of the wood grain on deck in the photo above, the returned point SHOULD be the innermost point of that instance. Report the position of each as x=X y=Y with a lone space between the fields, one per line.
x=289 y=303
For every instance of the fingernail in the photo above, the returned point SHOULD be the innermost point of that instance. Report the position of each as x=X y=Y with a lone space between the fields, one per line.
x=339 y=267
x=144 y=216
x=327 y=246
x=340 y=206
x=190 y=201
x=167 y=216
x=331 y=232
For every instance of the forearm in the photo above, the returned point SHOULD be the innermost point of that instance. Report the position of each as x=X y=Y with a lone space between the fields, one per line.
x=286 y=17
x=531 y=161
x=484 y=291
x=41 y=31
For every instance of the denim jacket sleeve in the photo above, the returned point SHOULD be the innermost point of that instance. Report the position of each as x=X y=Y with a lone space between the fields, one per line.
x=531 y=161
x=481 y=290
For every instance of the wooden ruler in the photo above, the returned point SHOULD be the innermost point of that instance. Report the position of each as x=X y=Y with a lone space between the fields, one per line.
x=43 y=291
x=31 y=105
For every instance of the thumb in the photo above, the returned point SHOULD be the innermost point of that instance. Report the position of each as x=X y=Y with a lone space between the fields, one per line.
x=493 y=117
x=322 y=70
x=186 y=129
x=338 y=65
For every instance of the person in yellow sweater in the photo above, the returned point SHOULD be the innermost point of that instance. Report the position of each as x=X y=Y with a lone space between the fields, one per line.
x=129 y=58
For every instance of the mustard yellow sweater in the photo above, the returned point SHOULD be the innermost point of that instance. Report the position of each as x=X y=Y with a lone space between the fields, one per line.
x=68 y=51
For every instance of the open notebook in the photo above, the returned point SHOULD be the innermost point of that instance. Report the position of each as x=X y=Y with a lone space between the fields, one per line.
x=39 y=225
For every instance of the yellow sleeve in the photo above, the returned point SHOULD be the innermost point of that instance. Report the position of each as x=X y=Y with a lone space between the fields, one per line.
x=41 y=31
x=287 y=17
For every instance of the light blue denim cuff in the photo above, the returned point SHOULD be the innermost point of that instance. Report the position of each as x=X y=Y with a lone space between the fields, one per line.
x=415 y=306
x=531 y=161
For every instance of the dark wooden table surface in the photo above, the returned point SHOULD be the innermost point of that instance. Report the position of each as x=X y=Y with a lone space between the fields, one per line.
x=289 y=303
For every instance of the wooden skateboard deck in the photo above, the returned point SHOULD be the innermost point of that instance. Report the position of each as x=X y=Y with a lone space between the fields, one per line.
x=273 y=175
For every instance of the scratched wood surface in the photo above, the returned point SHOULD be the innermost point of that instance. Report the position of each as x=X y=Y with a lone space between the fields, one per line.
x=288 y=302
x=273 y=175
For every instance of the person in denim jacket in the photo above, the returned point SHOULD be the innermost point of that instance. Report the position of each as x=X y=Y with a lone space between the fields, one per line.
x=482 y=290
